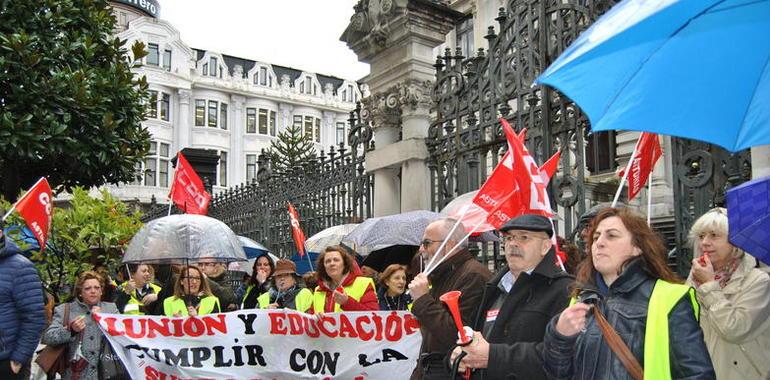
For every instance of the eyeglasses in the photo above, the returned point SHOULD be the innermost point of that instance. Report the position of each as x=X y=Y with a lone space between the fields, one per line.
x=207 y=264
x=191 y=278
x=520 y=238
x=425 y=243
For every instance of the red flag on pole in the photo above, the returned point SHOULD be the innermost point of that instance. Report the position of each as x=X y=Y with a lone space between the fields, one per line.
x=36 y=208
x=296 y=230
x=646 y=154
x=187 y=191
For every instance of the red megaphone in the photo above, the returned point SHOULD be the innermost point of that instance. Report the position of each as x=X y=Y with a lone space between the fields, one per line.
x=452 y=301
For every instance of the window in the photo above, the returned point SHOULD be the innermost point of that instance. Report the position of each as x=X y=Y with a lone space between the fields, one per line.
x=213 y=113
x=464 y=33
x=262 y=121
x=222 y=168
x=156 y=166
x=317 y=130
x=124 y=20
x=152 y=109
x=205 y=69
x=263 y=76
x=200 y=112
x=307 y=86
x=223 y=116
x=153 y=57
x=351 y=93
x=251 y=120
x=251 y=167
x=167 y=59
x=600 y=152
x=164 y=164
x=340 y=133
x=165 y=106
x=213 y=65
x=309 y=127
x=272 y=123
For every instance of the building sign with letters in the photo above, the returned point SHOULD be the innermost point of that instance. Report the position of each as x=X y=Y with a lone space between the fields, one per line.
x=149 y=7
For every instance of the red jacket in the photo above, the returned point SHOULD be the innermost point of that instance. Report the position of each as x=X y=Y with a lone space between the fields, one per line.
x=367 y=302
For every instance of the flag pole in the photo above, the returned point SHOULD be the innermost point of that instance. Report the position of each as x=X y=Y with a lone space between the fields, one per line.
x=555 y=243
x=308 y=258
x=649 y=199
x=625 y=173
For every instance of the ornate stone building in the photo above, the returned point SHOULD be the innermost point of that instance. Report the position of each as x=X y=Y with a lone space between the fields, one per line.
x=233 y=106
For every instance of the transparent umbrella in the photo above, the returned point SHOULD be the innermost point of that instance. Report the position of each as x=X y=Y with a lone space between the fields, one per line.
x=382 y=232
x=182 y=239
x=330 y=236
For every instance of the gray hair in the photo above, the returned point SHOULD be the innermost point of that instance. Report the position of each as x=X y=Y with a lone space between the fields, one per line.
x=457 y=236
x=715 y=220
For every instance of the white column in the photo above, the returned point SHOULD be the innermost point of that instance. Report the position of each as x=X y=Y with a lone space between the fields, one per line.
x=237 y=158
x=183 y=130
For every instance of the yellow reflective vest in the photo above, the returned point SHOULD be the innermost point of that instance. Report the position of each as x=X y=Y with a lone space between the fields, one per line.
x=355 y=290
x=664 y=297
x=132 y=306
x=303 y=301
x=174 y=304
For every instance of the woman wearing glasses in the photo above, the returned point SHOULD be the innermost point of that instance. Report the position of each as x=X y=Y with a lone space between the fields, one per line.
x=340 y=286
x=192 y=295
x=735 y=300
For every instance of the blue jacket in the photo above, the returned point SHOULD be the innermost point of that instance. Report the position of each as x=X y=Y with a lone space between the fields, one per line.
x=22 y=317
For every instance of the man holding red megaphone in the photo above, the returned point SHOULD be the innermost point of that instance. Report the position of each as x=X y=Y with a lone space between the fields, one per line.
x=517 y=305
x=459 y=271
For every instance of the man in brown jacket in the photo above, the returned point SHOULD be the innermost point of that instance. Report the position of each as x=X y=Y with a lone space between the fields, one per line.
x=458 y=272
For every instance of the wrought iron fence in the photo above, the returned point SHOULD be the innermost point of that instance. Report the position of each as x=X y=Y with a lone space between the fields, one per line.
x=466 y=142
x=329 y=190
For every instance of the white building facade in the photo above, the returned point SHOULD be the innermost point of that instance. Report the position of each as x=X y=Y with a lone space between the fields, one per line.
x=234 y=106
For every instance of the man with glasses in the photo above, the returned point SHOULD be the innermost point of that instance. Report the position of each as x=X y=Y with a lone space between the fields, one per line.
x=460 y=271
x=517 y=305
x=216 y=272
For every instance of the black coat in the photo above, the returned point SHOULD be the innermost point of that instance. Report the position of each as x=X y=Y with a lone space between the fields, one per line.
x=587 y=355
x=516 y=340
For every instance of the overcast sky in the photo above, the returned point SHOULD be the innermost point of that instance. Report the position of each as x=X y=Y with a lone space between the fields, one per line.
x=303 y=34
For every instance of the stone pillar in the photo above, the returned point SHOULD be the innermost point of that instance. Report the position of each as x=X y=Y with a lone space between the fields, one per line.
x=760 y=161
x=237 y=159
x=397 y=39
x=183 y=130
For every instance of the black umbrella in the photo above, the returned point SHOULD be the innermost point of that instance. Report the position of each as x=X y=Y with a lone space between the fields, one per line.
x=396 y=254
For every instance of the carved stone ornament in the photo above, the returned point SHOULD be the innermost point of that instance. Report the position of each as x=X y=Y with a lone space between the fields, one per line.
x=414 y=95
x=383 y=109
x=371 y=19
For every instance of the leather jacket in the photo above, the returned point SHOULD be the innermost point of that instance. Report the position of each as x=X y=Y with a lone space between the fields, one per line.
x=624 y=305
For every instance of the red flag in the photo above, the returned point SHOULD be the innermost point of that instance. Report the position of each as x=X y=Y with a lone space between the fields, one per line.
x=646 y=154
x=296 y=230
x=37 y=210
x=187 y=191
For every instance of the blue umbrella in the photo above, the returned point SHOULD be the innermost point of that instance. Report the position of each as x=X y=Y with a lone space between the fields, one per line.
x=303 y=266
x=252 y=248
x=748 y=212
x=698 y=69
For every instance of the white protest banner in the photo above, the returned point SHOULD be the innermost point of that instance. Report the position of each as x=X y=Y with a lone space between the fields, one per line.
x=266 y=344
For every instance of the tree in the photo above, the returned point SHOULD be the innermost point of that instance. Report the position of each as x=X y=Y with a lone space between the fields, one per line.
x=71 y=107
x=292 y=148
x=92 y=231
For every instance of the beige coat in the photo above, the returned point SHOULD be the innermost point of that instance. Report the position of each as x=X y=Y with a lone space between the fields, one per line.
x=736 y=323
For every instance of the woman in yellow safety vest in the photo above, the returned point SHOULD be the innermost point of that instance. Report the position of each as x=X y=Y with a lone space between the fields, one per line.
x=192 y=295
x=625 y=280
x=133 y=295
x=340 y=286
x=287 y=294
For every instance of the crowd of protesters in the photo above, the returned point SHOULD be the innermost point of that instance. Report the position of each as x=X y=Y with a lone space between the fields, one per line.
x=617 y=312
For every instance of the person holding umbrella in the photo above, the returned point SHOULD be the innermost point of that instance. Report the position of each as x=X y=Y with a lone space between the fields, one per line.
x=192 y=295
x=735 y=300
x=133 y=295
x=287 y=293
x=392 y=291
x=340 y=287
x=260 y=282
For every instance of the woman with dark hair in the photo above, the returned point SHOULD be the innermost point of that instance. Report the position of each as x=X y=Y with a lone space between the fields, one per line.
x=626 y=291
x=392 y=291
x=340 y=287
x=82 y=334
x=260 y=282
x=192 y=295
x=735 y=300
x=133 y=295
